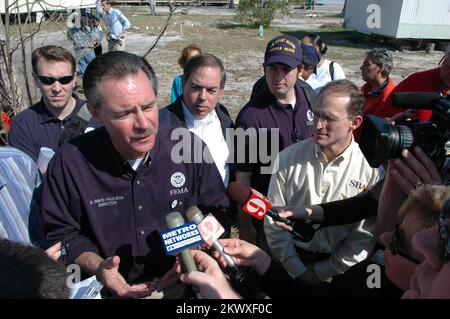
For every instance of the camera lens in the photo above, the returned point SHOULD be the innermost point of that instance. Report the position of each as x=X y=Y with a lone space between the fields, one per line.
x=380 y=140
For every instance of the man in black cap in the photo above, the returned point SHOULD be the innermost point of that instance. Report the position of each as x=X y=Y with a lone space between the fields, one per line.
x=310 y=59
x=280 y=115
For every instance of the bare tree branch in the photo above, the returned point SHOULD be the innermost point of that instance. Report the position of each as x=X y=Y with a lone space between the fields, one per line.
x=172 y=9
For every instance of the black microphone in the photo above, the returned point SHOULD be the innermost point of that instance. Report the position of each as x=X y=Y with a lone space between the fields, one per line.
x=415 y=100
x=241 y=194
x=195 y=215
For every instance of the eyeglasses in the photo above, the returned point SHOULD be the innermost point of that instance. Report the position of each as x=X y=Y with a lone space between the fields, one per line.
x=444 y=233
x=49 y=80
x=296 y=136
x=325 y=118
x=395 y=247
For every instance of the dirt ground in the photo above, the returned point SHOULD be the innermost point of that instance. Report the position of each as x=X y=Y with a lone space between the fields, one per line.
x=240 y=47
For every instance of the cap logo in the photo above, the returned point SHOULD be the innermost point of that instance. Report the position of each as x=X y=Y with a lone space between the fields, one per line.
x=274 y=48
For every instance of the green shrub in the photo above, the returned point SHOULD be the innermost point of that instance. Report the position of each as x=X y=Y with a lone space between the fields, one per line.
x=256 y=12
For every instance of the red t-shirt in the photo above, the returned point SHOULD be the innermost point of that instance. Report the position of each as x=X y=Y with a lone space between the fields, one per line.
x=6 y=120
x=424 y=81
x=377 y=103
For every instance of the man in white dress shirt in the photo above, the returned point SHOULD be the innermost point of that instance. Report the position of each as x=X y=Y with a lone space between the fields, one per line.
x=198 y=108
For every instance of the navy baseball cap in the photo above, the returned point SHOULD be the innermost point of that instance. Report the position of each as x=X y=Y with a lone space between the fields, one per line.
x=310 y=54
x=284 y=49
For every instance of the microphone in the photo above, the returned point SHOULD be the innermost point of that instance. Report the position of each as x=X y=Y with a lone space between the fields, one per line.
x=173 y=220
x=257 y=205
x=415 y=100
x=194 y=214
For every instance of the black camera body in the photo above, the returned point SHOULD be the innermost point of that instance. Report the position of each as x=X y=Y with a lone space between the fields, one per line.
x=381 y=141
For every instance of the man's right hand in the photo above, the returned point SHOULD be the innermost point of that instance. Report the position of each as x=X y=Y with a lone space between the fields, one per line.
x=108 y=273
x=244 y=254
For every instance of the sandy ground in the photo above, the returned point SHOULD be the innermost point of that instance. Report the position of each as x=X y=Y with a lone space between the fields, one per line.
x=242 y=52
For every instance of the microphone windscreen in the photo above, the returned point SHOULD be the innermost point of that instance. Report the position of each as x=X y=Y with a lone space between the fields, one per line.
x=174 y=219
x=238 y=193
x=194 y=214
x=415 y=100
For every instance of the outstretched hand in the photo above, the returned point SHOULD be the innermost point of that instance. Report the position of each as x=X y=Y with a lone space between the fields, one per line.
x=108 y=273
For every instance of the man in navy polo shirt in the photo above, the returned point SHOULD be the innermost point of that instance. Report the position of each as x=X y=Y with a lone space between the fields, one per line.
x=43 y=123
x=285 y=106
x=108 y=192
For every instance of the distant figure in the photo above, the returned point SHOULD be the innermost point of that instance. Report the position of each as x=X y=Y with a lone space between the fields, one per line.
x=377 y=90
x=97 y=32
x=261 y=31
x=327 y=71
x=152 y=5
x=83 y=41
x=187 y=53
x=117 y=25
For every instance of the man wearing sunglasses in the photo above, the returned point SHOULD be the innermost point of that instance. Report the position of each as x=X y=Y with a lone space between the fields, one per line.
x=43 y=123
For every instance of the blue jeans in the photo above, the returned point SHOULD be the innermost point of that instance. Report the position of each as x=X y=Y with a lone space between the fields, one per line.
x=84 y=57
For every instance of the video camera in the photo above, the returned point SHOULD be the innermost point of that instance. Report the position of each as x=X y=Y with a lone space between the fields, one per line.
x=380 y=140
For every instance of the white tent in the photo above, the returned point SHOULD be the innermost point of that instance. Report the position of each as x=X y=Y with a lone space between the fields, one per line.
x=23 y=6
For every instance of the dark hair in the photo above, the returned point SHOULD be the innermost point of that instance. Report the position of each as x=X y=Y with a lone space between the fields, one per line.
x=317 y=40
x=52 y=53
x=28 y=273
x=117 y=64
x=345 y=87
x=184 y=57
x=201 y=60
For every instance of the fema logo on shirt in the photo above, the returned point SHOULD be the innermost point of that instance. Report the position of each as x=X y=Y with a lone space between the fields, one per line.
x=177 y=179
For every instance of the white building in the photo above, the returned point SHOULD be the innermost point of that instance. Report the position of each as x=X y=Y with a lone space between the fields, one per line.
x=400 y=19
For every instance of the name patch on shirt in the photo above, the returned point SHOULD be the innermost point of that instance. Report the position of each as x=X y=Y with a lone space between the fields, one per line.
x=106 y=201
x=358 y=184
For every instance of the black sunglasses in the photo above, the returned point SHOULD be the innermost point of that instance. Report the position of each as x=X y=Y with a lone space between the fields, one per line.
x=49 y=80
x=444 y=232
x=395 y=247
